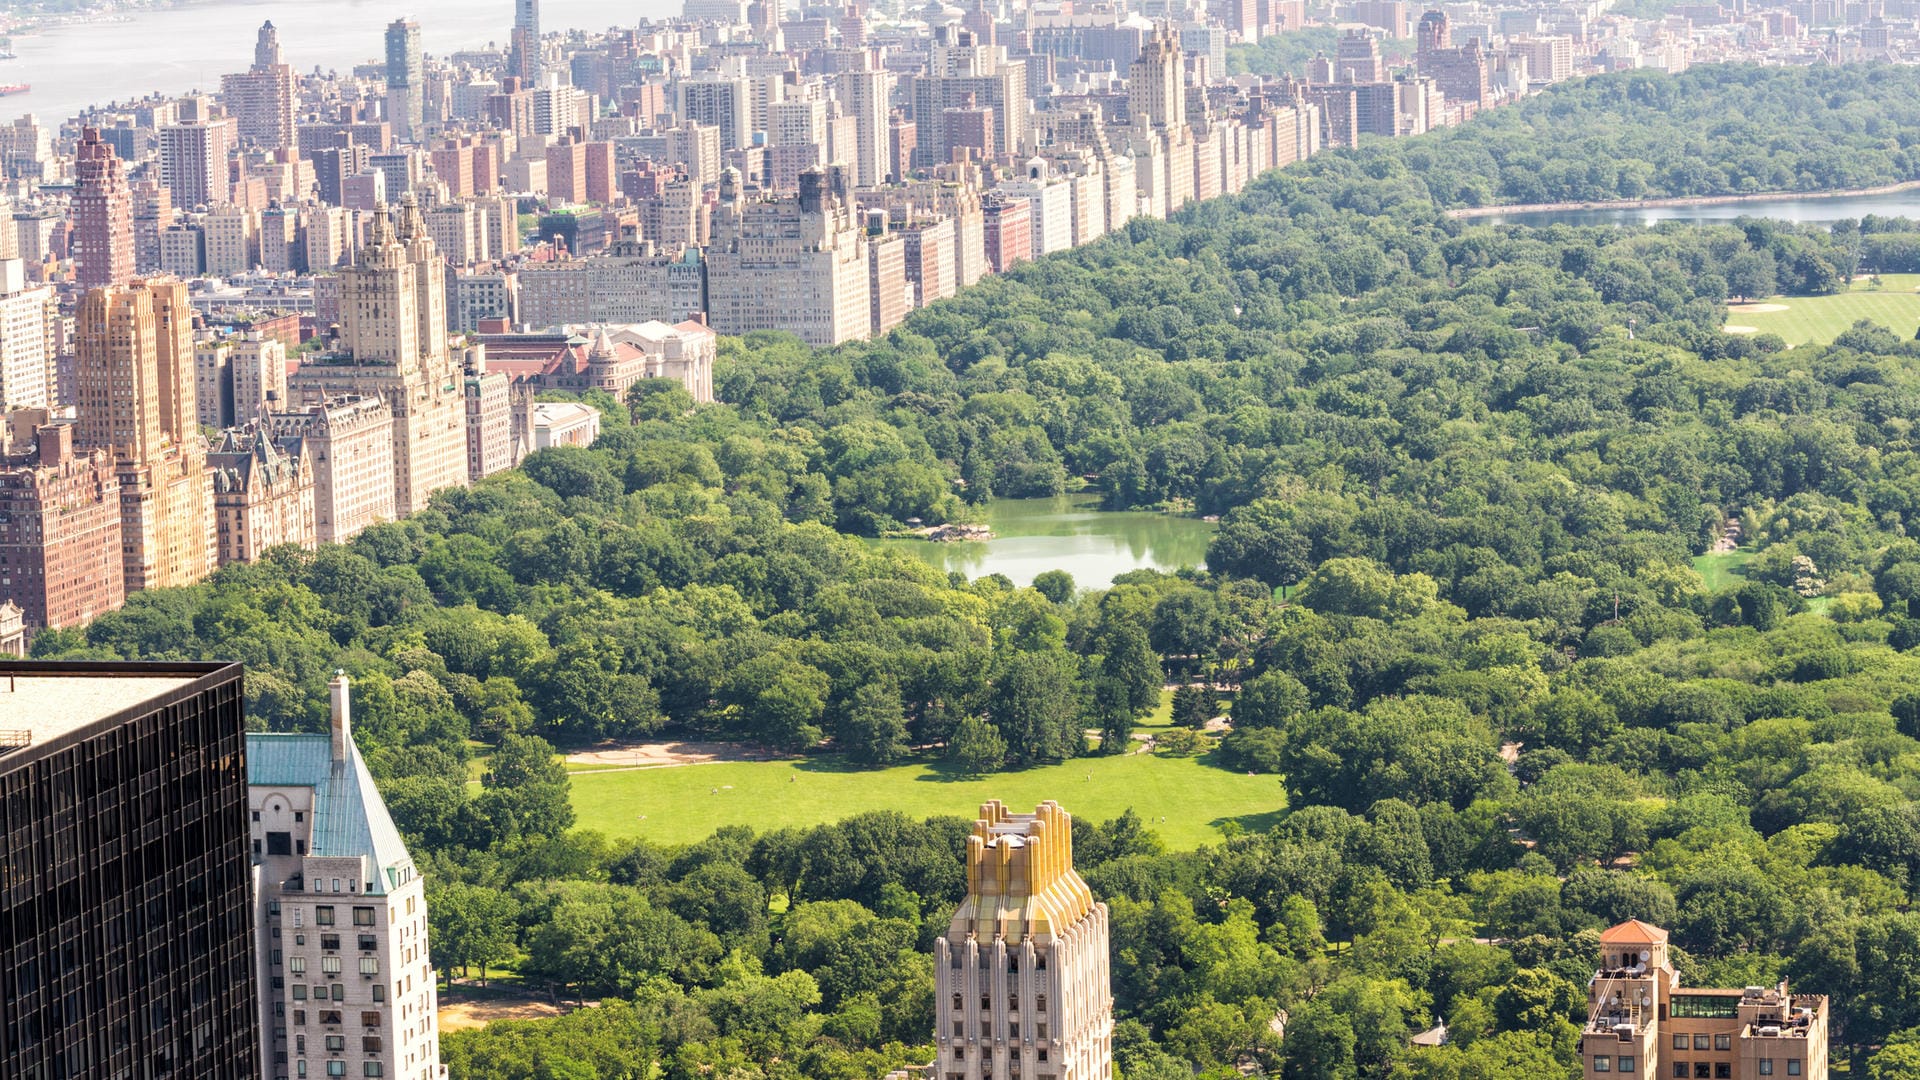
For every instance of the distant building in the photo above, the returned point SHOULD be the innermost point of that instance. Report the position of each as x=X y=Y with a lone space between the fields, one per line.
x=262 y=493
x=346 y=988
x=102 y=215
x=1642 y=1023
x=128 y=902
x=60 y=538
x=1021 y=981
x=564 y=423
x=348 y=444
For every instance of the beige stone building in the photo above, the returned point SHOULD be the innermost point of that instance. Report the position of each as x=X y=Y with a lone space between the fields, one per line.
x=393 y=345
x=135 y=379
x=1022 y=987
x=262 y=494
x=348 y=445
x=1642 y=1024
x=795 y=264
x=346 y=988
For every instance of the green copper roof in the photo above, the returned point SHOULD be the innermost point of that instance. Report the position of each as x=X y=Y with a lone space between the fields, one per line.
x=349 y=817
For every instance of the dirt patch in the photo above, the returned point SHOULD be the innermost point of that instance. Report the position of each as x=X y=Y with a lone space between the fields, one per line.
x=1731 y=329
x=467 y=1015
x=1755 y=309
x=666 y=755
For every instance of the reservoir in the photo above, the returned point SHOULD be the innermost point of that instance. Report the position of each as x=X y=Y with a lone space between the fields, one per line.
x=1785 y=208
x=190 y=47
x=1069 y=533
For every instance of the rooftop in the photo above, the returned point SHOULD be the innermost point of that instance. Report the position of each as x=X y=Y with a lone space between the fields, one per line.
x=47 y=706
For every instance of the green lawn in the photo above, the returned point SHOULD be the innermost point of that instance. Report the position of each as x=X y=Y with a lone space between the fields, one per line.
x=680 y=805
x=1722 y=571
x=1895 y=305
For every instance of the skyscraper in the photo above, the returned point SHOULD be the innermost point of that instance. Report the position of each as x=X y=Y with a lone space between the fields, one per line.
x=102 y=215
x=406 y=80
x=524 y=58
x=393 y=318
x=261 y=98
x=341 y=913
x=1021 y=980
x=1156 y=91
x=193 y=161
x=126 y=894
x=134 y=374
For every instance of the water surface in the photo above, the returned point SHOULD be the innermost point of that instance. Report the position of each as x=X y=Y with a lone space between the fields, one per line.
x=1069 y=533
x=1785 y=208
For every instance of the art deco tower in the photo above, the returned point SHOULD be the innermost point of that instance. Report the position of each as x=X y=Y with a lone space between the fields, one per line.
x=102 y=215
x=1021 y=981
x=134 y=370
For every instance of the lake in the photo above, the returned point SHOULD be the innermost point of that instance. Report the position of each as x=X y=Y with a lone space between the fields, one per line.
x=1069 y=533
x=189 y=48
x=1786 y=208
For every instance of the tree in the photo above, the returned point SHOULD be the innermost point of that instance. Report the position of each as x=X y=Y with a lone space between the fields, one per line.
x=1194 y=706
x=1055 y=585
x=525 y=790
x=472 y=926
x=875 y=730
x=976 y=747
x=1269 y=700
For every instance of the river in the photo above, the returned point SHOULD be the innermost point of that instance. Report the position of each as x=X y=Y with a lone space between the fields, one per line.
x=1786 y=207
x=189 y=48
x=1069 y=533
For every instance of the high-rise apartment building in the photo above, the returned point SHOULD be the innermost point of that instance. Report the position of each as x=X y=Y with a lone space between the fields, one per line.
x=524 y=60
x=193 y=161
x=124 y=879
x=961 y=73
x=345 y=985
x=1021 y=986
x=102 y=215
x=789 y=263
x=348 y=445
x=261 y=99
x=28 y=352
x=393 y=345
x=406 y=80
x=135 y=380
x=59 y=527
x=1643 y=1024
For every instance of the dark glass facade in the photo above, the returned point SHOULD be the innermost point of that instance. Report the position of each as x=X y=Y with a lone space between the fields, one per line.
x=126 y=929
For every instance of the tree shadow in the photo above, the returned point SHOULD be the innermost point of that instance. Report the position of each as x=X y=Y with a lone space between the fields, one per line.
x=1264 y=821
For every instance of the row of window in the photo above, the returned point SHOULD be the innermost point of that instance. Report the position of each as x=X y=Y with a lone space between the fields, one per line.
x=1604 y=1063
x=339 y=1068
x=332 y=1016
x=330 y=965
x=1699 y=1042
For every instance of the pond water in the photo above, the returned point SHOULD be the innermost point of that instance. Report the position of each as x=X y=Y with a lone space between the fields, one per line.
x=1069 y=533
x=1786 y=208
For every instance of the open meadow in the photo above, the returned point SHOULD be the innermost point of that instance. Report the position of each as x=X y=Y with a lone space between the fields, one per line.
x=681 y=805
x=1819 y=319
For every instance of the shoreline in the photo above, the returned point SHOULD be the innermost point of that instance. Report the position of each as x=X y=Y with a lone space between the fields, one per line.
x=1470 y=212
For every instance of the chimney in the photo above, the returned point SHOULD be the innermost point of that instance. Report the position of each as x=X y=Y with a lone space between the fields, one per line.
x=342 y=729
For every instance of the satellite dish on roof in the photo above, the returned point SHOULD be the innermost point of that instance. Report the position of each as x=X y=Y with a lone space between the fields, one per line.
x=1645 y=955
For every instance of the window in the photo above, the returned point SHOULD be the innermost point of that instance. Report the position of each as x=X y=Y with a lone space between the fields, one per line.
x=1681 y=1042
x=300 y=1017
x=300 y=1067
x=1626 y=1063
x=371 y=1068
x=1702 y=1042
x=368 y=942
x=379 y=992
x=1602 y=1063
x=1793 y=1066
x=1723 y=1042
x=330 y=1016
x=1042 y=1054
x=1705 y=1006
x=1722 y=1070
x=330 y=941
x=336 y=1043
x=370 y=1019
x=1700 y=1070
x=279 y=843
x=370 y=1044
x=297 y=965
x=300 y=1043
x=1680 y=1070
x=323 y=916
x=256 y=815
x=336 y=1068
x=1766 y=1066
x=299 y=991
x=330 y=965
x=1040 y=1003
x=339 y=992
x=363 y=916
x=369 y=965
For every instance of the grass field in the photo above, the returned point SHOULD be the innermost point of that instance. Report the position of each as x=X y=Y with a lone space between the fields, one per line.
x=1722 y=571
x=1895 y=305
x=680 y=805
